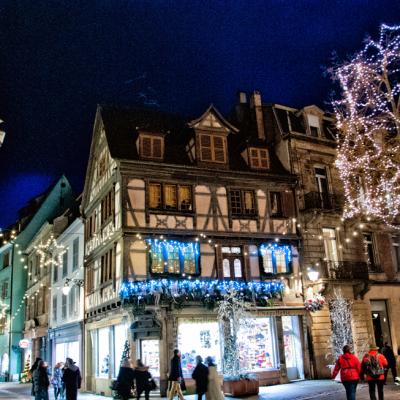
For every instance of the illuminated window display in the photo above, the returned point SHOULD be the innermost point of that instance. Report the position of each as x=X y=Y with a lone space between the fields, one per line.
x=198 y=337
x=276 y=259
x=120 y=336
x=257 y=345
x=293 y=348
x=150 y=355
x=103 y=352
x=68 y=349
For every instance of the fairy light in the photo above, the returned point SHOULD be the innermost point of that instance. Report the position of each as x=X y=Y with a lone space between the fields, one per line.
x=368 y=121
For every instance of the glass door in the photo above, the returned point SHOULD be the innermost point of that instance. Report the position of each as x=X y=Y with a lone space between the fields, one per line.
x=380 y=322
x=293 y=347
x=150 y=356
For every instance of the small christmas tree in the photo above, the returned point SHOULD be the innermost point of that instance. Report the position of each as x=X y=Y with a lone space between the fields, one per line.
x=26 y=374
x=125 y=353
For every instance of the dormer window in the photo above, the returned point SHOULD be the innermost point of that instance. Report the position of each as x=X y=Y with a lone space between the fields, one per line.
x=212 y=148
x=259 y=158
x=314 y=125
x=151 y=146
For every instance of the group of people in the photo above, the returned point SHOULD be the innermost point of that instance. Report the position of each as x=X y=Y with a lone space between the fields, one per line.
x=374 y=368
x=128 y=376
x=66 y=380
x=204 y=374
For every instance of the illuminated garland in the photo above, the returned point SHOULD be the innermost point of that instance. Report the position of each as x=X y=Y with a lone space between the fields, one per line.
x=178 y=291
x=368 y=121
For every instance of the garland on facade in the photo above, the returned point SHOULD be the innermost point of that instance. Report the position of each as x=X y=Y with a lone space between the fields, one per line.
x=209 y=292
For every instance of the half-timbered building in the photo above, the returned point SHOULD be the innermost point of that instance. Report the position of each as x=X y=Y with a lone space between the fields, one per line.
x=176 y=210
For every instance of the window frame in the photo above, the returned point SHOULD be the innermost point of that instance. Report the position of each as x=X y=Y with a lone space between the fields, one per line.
x=258 y=158
x=242 y=198
x=231 y=257
x=162 y=207
x=152 y=137
x=372 y=264
x=212 y=147
x=279 y=213
x=274 y=264
x=75 y=254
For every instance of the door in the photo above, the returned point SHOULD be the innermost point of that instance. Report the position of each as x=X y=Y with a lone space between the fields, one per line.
x=232 y=262
x=150 y=355
x=380 y=322
x=293 y=347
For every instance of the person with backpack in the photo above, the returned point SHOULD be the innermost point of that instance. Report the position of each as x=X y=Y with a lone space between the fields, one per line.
x=387 y=351
x=350 y=368
x=373 y=367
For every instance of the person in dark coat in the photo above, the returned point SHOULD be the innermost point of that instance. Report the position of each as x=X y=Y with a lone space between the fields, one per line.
x=125 y=379
x=41 y=381
x=72 y=379
x=31 y=371
x=175 y=377
x=142 y=376
x=387 y=351
x=200 y=375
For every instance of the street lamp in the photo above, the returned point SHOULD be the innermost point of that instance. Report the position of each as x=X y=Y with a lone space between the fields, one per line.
x=312 y=275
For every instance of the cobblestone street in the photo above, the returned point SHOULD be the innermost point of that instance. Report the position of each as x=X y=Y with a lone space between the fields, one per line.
x=319 y=389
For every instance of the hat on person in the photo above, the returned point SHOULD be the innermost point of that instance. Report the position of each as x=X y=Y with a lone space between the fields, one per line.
x=70 y=361
x=373 y=346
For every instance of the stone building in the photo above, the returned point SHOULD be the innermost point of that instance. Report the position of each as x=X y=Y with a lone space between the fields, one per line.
x=175 y=209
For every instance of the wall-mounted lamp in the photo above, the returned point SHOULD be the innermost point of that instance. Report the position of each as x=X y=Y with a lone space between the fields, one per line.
x=312 y=275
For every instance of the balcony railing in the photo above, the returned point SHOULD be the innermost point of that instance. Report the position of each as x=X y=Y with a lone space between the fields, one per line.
x=344 y=270
x=375 y=268
x=322 y=201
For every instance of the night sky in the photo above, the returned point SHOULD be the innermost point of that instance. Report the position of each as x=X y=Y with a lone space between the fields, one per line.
x=59 y=59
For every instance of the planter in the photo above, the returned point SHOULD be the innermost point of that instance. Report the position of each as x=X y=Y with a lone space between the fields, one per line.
x=241 y=387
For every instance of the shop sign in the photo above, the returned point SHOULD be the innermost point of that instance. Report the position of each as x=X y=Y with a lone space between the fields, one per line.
x=24 y=343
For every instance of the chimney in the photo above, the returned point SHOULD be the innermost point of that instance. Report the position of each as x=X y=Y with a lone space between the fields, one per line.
x=255 y=102
x=242 y=97
x=241 y=106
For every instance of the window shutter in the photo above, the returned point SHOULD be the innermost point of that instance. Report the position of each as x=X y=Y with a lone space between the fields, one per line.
x=146 y=147
x=289 y=210
x=264 y=159
x=383 y=245
x=205 y=148
x=219 y=148
x=157 y=148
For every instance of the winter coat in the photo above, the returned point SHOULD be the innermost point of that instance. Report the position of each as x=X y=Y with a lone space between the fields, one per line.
x=125 y=379
x=175 y=371
x=349 y=367
x=72 y=380
x=200 y=375
x=142 y=376
x=40 y=379
x=387 y=351
x=214 y=391
x=56 y=380
x=382 y=362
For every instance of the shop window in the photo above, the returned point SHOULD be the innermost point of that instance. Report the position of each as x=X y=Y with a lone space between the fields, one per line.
x=276 y=204
x=198 y=337
x=68 y=349
x=396 y=252
x=257 y=345
x=275 y=259
x=65 y=264
x=151 y=147
x=232 y=262
x=150 y=355
x=259 y=158
x=170 y=197
x=120 y=337
x=55 y=308
x=103 y=352
x=75 y=254
x=173 y=257
x=292 y=347
x=242 y=202
x=213 y=148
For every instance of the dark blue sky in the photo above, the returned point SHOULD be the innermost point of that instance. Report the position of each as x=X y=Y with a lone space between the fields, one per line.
x=58 y=59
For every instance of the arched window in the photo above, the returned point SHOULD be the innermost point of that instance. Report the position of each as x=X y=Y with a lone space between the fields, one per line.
x=237 y=267
x=226 y=268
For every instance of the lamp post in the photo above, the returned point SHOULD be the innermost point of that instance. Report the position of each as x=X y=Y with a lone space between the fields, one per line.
x=313 y=275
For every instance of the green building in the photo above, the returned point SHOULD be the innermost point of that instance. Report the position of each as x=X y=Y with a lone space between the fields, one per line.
x=13 y=271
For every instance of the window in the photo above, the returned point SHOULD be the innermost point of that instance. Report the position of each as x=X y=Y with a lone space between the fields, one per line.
x=120 y=337
x=232 y=262
x=151 y=146
x=65 y=264
x=107 y=207
x=90 y=226
x=64 y=306
x=170 y=256
x=259 y=158
x=102 y=165
x=369 y=250
x=170 y=197
x=107 y=266
x=276 y=204
x=6 y=259
x=330 y=245
x=4 y=290
x=74 y=301
x=55 y=307
x=321 y=180
x=213 y=148
x=89 y=278
x=242 y=202
x=55 y=272
x=313 y=123
x=103 y=351
x=275 y=259
x=75 y=254
x=396 y=252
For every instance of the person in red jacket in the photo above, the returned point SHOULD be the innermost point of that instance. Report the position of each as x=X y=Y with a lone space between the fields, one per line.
x=373 y=366
x=350 y=368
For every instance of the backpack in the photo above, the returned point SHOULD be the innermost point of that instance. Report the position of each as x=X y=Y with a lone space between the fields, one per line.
x=373 y=367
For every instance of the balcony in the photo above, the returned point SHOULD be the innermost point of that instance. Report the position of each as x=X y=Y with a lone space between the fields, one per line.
x=322 y=201
x=344 y=270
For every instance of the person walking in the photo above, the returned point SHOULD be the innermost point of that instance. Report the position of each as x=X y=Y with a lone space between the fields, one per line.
x=214 y=391
x=200 y=375
x=387 y=351
x=350 y=368
x=175 y=378
x=373 y=365
x=72 y=379
x=125 y=379
x=57 y=382
x=41 y=381
x=31 y=371
x=143 y=380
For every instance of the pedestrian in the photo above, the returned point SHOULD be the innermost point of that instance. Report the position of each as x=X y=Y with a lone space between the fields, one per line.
x=31 y=371
x=387 y=351
x=143 y=380
x=175 y=379
x=200 y=375
x=57 y=382
x=373 y=365
x=125 y=379
x=41 y=381
x=72 y=379
x=214 y=391
x=350 y=368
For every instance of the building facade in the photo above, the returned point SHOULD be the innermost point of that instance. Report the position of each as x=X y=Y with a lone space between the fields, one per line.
x=171 y=205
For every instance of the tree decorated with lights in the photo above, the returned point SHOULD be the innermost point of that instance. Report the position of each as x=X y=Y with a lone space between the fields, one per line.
x=368 y=122
x=26 y=374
